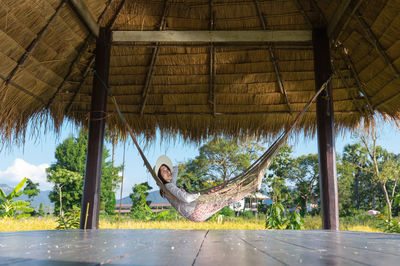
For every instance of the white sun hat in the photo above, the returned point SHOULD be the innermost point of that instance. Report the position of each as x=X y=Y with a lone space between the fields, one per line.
x=162 y=160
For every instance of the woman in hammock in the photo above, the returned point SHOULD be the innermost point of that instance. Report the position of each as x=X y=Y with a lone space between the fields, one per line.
x=163 y=169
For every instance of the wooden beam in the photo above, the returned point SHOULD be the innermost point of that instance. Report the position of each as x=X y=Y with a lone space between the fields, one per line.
x=325 y=131
x=213 y=36
x=273 y=58
x=153 y=61
x=39 y=99
x=337 y=31
x=340 y=11
x=86 y=17
x=91 y=193
x=91 y=61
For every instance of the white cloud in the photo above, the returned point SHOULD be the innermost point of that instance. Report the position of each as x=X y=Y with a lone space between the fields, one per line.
x=20 y=169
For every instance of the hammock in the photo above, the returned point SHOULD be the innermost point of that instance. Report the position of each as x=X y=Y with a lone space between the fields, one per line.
x=213 y=199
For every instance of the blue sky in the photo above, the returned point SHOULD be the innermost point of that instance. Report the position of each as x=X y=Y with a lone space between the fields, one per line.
x=35 y=156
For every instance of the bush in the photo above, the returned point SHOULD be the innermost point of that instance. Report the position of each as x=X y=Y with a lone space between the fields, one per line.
x=227 y=212
x=247 y=214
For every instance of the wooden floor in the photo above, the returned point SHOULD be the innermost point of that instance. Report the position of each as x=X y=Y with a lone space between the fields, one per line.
x=198 y=247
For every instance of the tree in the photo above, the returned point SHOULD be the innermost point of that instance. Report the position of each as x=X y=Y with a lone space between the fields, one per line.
x=304 y=172
x=140 y=206
x=218 y=160
x=386 y=167
x=14 y=208
x=277 y=174
x=31 y=189
x=68 y=171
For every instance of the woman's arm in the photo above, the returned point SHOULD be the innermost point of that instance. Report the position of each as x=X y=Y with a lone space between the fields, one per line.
x=181 y=194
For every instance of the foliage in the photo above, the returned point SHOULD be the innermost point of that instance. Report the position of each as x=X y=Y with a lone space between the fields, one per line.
x=140 y=206
x=278 y=171
x=218 y=160
x=304 y=173
x=11 y=208
x=31 y=189
x=70 y=220
x=276 y=218
x=247 y=214
x=227 y=212
x=389 y=225
x=68 y=171
x=69 y=184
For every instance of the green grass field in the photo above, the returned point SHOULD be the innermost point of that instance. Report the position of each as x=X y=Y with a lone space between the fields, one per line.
x=50 y=223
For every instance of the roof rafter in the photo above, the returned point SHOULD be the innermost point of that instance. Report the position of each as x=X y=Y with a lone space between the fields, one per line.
x=301 y=9
x=376 y=43
x=85 y=16
x=153 y=61
x=273 y=58
x=92 y=60
x=333 y=31
x=30 y=49
x=346 y=58
x=84 y=77
x=38 y=98
x=343 y=80
x=81 y=53
x=213 y=36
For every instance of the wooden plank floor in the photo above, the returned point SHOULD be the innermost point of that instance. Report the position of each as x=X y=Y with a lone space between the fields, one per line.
x=198 y=247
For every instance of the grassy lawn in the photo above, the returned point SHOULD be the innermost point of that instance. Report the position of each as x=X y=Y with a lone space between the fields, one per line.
x=50 y=223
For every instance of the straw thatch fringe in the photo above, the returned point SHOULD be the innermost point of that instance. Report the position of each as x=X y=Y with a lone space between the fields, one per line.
x=246 y=94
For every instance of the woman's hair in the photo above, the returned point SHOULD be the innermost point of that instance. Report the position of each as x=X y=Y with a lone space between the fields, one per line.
x=162 y=194
x=159 y=174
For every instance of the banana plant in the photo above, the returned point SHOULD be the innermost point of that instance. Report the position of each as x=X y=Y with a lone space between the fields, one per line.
x=11 y=208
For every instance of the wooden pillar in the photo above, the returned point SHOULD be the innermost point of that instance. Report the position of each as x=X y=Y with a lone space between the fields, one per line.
x=91 y=193
x=325 y=130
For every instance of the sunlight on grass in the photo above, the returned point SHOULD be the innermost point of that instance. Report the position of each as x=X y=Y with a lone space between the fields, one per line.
x=28 y=224
x=50 y=223
x=244 y=225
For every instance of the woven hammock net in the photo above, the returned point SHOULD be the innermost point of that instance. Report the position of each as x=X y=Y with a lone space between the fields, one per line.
x=213 y=199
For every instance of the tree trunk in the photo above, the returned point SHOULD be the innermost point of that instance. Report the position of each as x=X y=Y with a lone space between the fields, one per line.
x=356 y=184
x=59 y=193
x=388 y=202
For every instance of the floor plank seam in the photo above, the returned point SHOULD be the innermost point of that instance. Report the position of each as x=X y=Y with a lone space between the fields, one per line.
x=201 y=245
x=262 y=251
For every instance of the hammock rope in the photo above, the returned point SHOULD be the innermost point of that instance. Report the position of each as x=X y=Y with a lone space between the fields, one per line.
x=213 y=199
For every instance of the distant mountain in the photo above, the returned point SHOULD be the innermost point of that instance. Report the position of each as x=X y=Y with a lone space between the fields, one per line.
x=42 y=197
x=154 y=197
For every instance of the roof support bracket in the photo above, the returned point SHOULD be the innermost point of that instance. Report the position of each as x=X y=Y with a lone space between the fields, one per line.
x=146 y=88
x=273 y=58
x=83 y=12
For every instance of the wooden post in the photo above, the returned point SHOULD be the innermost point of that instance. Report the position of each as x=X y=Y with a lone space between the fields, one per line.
x=325 y=130
x=91 y=192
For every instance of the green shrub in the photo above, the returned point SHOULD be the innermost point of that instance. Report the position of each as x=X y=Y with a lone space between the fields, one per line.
x=247 y=214
x=70 y=220
x=227 y=212
x=276 y=218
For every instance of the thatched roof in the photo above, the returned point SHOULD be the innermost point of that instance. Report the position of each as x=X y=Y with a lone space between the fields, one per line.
x=46 y=54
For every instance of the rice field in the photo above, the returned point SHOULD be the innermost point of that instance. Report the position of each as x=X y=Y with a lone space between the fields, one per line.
x=50 y=223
